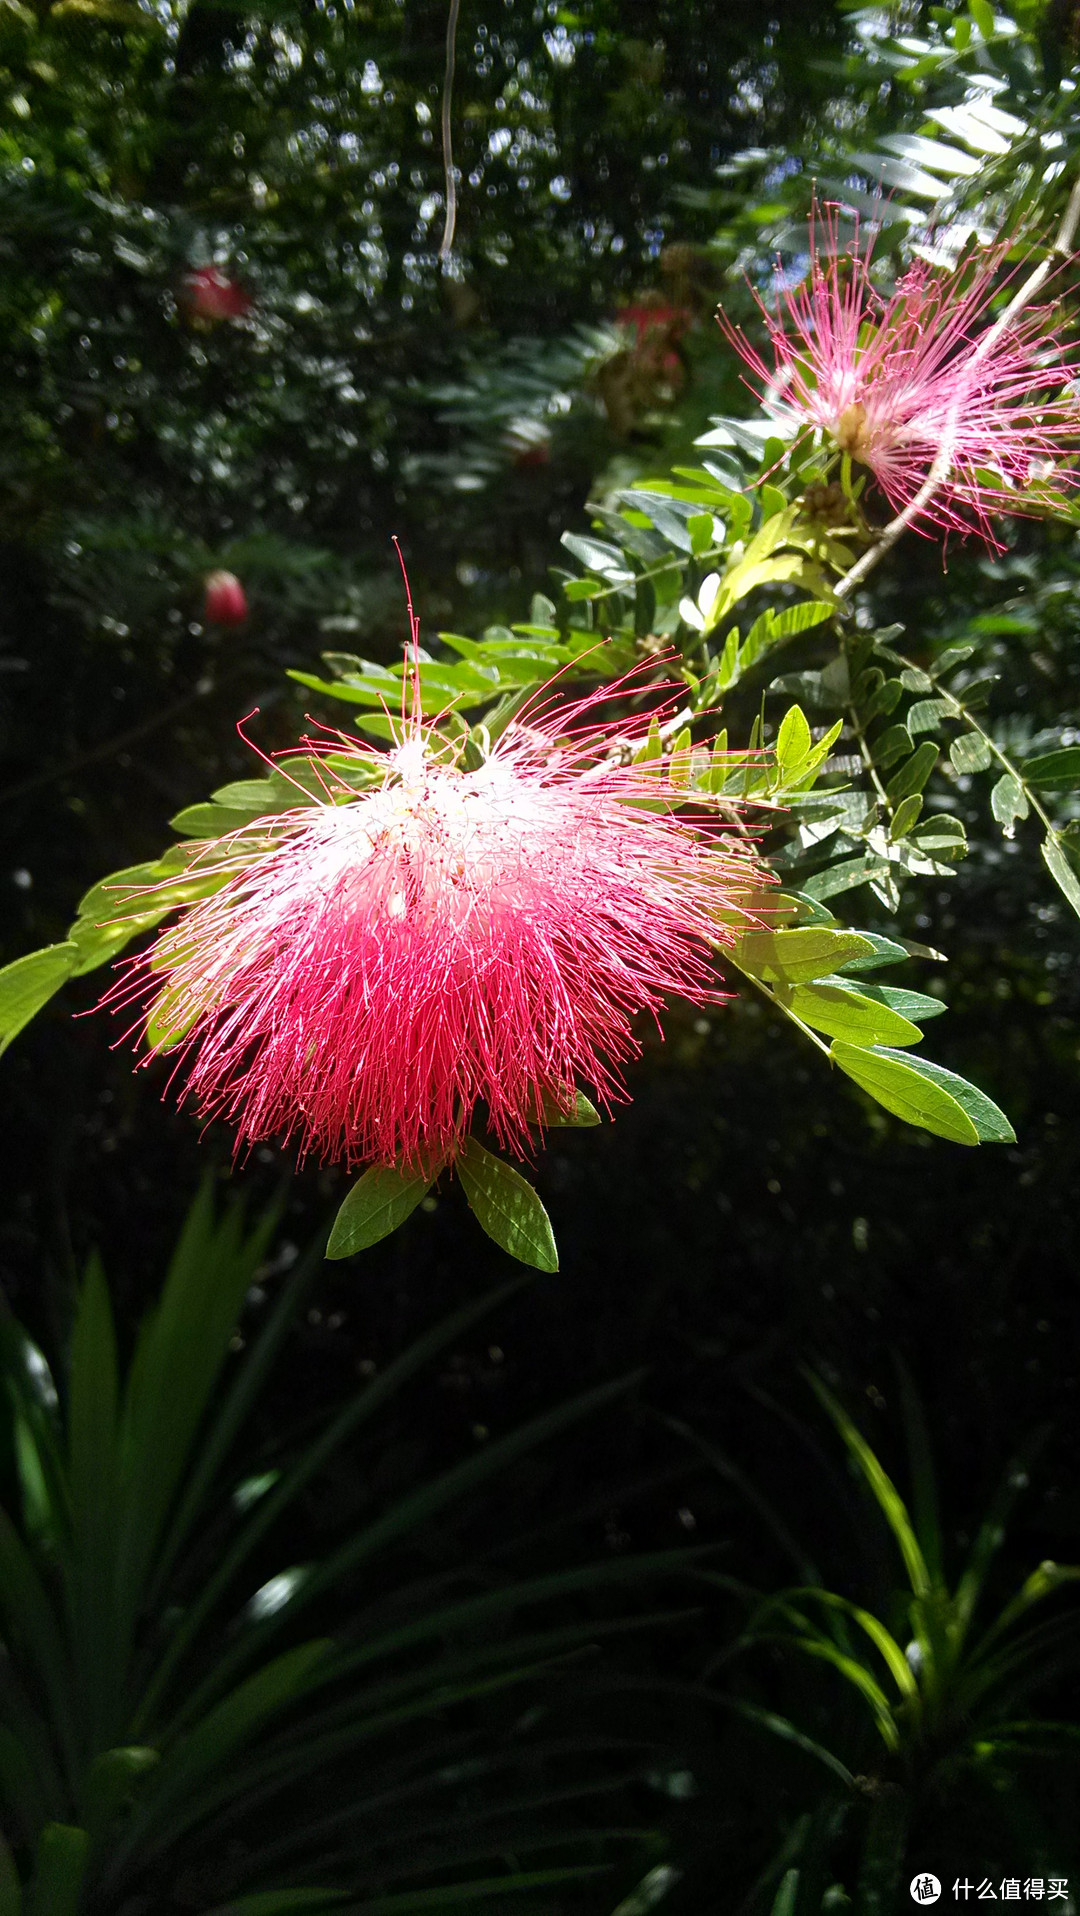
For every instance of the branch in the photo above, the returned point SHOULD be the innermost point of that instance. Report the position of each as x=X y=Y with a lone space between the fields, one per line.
x=942 y=465
x=446 y=245
x=118 y=740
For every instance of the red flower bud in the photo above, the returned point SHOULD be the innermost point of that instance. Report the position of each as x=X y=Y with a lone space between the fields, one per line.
x=225 y=602
x=653 y=318
x=211 y=294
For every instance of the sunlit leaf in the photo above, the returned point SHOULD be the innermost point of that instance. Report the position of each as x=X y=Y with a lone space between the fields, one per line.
x=1061 y=871
x=800 y=954
x=926 y=1095
x=507 y=1207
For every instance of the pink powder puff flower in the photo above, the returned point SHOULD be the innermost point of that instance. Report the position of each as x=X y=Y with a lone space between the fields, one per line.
x=898 y=381
x=448 y=940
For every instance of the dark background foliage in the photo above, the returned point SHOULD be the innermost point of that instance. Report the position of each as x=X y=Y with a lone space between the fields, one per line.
x=747 y=1214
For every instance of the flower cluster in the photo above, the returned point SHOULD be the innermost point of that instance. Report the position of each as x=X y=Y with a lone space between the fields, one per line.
x=449 y=940
x=900 y=381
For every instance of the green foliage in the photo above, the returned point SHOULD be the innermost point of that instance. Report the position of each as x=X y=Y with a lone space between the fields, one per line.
x=377 y=1204
x=962 y=1675
x=507 y=1207
x=166 y=1694
x=29 y=983
x=936 y=1674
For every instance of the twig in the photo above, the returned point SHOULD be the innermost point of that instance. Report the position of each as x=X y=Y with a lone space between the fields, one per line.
x=446 y=244
x=942 y=465
x=958 y=710
x=114 y=744
x=778 y=1004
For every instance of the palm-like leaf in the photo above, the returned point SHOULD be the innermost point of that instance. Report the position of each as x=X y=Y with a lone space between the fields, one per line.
x=165 y=1708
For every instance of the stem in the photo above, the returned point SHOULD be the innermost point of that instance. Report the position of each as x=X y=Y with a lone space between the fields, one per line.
x=883 y=1853
x=777 y=1003
x=868 y=761
x=114 y=744
x=653 y=572
x=446 y=244
x=942 y=466
x=961 y=711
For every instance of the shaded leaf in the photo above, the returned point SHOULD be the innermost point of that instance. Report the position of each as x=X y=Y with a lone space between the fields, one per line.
x=845 y=876
x=914 y=773
x=378 y=1203
x=28 y=984
x=970 y=752
x=60 y=1866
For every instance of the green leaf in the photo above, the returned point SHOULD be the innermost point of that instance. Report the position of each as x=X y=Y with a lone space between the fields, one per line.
x=60 y=1865
x=846 y=1013
x=926 y=714
x=882 y=1639
x=883 y=951
x=173 y=1015
x=1061 y=769
x=885 y=700
x=1061 y=871
x=96 y=945
x=793 y=741
x=377 y=1204
x=240 y=1715
x=892 y=744
x=581 y=1115
x=1008 y=801
x=910 y=1004
x=781 y=1727
x=11 y=1896
x=507 y=1207
x=596 y=555
x=114 y=1777
x=95 y=1503
x=786 y=1902
x=800 y=618
x=888 y=1498
x=905 y=816
x=651 y=1890
x=209 y=821
x=850 y=872
x=283 y=1902
x=108 y=893
x=700 y=527
x=941 y=832
x=925 y=1094
x=983 y=15
x=914 y=773
x=970 y=752
x=29 y=983
x=798 y=955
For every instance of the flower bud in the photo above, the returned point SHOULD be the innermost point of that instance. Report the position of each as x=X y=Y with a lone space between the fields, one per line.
x=211 y=294
x=225 y=602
